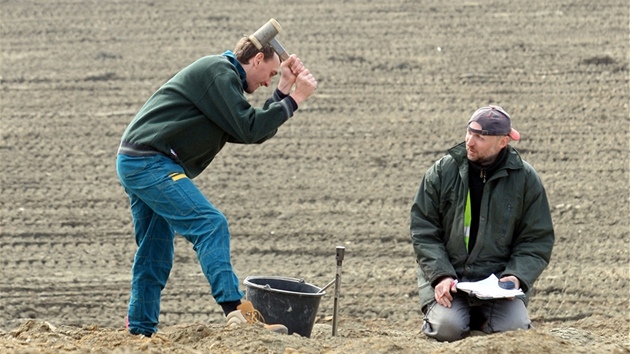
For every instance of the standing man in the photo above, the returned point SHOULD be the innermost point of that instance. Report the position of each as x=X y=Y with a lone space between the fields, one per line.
x=172 y=139
x=480 y=210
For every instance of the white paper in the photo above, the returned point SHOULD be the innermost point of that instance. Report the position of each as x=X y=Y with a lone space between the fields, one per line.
x=488 y=289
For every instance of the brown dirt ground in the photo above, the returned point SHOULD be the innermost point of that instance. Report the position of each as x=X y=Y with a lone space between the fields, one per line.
x=397 y=81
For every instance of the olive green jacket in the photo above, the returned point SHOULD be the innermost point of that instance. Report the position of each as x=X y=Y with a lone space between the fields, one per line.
x=515 y=234
x=203 y=107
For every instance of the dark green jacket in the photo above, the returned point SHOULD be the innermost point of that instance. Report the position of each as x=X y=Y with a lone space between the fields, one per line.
x=515 y=234
x=193 y=115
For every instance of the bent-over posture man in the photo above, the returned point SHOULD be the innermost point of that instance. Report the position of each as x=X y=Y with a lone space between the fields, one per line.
x=172 y=139
x=479 y=210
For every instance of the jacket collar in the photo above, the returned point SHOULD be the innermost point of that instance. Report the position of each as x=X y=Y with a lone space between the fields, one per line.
x=241 y=72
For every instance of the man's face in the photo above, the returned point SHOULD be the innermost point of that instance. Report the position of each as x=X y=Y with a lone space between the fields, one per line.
x=483 y=149
x=261 y=71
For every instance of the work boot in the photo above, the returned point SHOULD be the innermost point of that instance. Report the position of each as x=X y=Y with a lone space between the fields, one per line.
x=246 y=313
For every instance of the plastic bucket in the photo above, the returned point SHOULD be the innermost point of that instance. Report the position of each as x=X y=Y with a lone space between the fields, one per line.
x=287 y=301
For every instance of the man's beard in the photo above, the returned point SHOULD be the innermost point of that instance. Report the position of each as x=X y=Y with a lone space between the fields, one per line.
x=484 y=160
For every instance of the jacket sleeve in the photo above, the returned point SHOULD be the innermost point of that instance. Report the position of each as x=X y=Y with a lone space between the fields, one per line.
x=215 y=90
x=277 y=96
x=427 y=230
x=237 y=117
x=531 y=250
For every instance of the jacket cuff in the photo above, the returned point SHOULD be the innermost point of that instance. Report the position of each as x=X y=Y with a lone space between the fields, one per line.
x=278 y=95
x=293 y=103
x=287 y=107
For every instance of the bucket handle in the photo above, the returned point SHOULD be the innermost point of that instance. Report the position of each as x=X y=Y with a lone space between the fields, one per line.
x=327 y=286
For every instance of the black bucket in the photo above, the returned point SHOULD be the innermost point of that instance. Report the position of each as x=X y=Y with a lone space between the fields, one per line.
x=287 y=301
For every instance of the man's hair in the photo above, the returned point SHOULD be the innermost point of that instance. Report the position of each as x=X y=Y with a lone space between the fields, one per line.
x=245 y=50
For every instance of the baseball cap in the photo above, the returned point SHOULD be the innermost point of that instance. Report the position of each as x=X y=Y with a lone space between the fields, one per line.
x=494 y=121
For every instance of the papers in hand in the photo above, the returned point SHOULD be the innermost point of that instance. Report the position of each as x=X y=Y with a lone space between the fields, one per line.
x=488 y=289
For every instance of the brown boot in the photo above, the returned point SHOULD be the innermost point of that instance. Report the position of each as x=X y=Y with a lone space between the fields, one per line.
x=246 y=313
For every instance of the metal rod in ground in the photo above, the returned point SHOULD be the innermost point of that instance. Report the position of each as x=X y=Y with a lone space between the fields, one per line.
x=340 y=253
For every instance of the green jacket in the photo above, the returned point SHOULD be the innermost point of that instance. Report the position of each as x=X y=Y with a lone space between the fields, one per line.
x=193 y=115
x=515 y=234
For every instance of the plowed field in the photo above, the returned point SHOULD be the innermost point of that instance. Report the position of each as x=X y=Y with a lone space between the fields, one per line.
x=397 y=82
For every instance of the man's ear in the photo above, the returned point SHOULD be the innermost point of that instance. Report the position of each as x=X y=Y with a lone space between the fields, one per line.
x=258 y=58
x=505 y=140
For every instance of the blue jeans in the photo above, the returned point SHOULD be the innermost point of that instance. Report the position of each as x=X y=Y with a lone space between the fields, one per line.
x=164 y=202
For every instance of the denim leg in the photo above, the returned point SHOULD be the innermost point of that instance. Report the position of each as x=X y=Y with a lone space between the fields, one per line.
x=151 y=267
x=161 y=186
x=203 y=225
x=213 y=252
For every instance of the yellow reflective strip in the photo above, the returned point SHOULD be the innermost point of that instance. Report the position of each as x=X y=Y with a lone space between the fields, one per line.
x=178 y=176
x=467 y=220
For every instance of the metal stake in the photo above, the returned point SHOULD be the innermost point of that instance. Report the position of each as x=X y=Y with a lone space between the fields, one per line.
x=340 y=253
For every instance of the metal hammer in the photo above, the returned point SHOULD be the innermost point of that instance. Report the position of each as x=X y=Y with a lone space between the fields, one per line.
x=267 y=35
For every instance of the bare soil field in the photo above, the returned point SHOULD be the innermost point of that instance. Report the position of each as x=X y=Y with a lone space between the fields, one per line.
x=397 y=82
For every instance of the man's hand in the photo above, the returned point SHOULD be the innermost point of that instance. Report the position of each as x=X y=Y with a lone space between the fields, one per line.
x=289 y=70
x=443 y=291
x=513 y=279
x=305 y=85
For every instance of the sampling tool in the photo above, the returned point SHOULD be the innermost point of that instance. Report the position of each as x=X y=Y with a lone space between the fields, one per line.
x=339 y=255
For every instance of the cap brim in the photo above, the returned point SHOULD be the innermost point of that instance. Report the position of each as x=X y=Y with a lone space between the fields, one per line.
x=514 y=135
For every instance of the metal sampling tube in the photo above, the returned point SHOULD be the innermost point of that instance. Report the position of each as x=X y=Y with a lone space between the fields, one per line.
x=340 y=253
